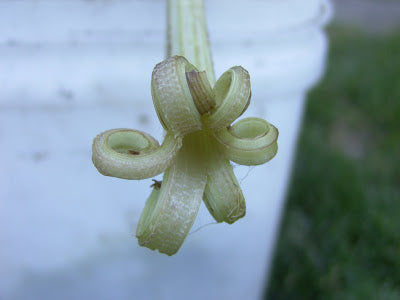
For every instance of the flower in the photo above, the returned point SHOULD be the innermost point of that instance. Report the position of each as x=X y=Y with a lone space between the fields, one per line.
x=194 y=156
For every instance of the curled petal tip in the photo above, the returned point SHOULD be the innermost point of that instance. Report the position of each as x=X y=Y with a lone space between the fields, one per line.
x=132 y=154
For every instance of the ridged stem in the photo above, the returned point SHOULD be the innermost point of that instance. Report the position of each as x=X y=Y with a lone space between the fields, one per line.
x=187 y=34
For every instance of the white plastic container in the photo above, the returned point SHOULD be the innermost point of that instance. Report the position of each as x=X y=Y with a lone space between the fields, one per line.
x=71 y=69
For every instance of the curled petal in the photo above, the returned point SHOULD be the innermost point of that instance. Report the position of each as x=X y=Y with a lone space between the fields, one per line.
x=201 y=90
x=251 y=141
x=223 y=195
x=170 y=211
x=132 y=154
x=172 y=97
x=232 y=96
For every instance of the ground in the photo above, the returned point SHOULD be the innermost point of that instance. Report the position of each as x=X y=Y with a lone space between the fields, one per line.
x=339 y=237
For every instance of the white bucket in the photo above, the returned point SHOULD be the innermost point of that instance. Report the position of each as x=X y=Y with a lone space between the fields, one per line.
x=71 y=69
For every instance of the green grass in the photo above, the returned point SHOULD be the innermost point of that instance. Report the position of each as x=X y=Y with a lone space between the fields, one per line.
x=340 y=236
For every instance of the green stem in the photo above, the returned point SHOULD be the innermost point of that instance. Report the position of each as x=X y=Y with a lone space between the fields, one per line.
x=187 y=34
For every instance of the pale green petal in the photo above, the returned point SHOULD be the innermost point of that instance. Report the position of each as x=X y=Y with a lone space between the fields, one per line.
x=170 y=212
x=251 y=141
x=223 y=195
x=232 y=96
x=172 y=98
x=132 y=154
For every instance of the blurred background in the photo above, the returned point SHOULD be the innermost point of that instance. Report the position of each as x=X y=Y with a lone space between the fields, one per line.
x=340 y=231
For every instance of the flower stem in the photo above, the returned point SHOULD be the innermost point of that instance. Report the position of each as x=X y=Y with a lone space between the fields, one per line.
x=187 y=34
